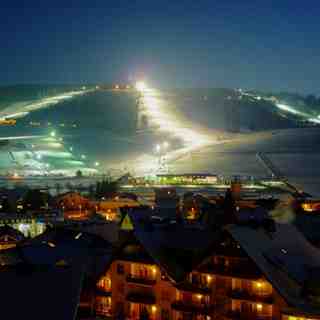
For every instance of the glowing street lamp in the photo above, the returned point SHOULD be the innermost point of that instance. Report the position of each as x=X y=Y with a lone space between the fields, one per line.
x=141 y=86
x=83 y=156
x=166 y=145
x=52 y=134
x=97 y=164
x=158 y=148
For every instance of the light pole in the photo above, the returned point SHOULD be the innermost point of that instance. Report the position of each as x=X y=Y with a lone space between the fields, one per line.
x=165 y=146
x=158 y=152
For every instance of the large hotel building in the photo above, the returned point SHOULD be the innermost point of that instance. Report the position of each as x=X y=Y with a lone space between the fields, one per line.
x=180 y=272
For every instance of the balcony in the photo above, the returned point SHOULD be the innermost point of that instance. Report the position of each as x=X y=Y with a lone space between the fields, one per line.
x=236 y=271
x=237 y=315
x=141 y=297
x=194 y=287
x=245 y=295
x=103 y=292
x=233 y=315
x=186 y=306
x=141 y=280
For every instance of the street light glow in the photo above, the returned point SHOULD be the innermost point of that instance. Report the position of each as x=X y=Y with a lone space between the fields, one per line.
x=141 y=86
x=158 y=148
x=166 y=144
x=52 y=133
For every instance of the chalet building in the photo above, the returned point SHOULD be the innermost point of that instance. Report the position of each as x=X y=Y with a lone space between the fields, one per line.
x=174 y=271
x=110 y=209
x=73 y=205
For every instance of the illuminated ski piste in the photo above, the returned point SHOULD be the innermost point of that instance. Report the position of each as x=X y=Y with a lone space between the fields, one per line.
x=167 y=121
x=22 y=110
x=36 y=162
x=288 y=108
x=162 y=117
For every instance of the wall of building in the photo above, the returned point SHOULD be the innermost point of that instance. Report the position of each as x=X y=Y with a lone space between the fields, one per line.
x=134 y=288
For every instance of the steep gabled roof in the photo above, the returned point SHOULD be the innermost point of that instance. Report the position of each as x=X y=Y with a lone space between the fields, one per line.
x=284 y=256
x=176 y=248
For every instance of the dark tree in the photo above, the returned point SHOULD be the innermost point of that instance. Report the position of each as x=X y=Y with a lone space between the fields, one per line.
x=311 y=100
x=106 y=188
x=91 y=191
x=229 y=207
x=58 y=188
x=79 y=174
x=35 y=200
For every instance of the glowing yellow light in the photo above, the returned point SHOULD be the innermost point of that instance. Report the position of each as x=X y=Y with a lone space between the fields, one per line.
x=199 y=296
x=141 y=86
x=154 y=270
x=166 y=144
x=116 y=86
x=209 y=278
x=259 y=306
x=154 y=308
x=158 y=148
x=259 y=284
x=78 y=236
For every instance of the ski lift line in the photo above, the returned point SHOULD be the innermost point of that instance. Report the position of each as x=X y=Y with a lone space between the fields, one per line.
x=12 y=156
x=23 y=137
x=267 y=163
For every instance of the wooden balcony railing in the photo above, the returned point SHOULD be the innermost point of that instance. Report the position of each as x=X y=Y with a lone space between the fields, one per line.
x=188 y=306
x=245 y=295
x=141 y=280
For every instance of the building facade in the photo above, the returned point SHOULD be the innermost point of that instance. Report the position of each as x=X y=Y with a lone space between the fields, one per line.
x=226 y=285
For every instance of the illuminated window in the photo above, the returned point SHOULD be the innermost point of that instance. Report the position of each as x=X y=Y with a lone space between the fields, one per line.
x=259 y=307
x=103 y=305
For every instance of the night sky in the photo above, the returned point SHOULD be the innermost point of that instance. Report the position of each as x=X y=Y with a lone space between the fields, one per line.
x=265 y=44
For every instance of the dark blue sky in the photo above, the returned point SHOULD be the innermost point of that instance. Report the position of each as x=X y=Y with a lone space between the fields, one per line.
x=267 y=44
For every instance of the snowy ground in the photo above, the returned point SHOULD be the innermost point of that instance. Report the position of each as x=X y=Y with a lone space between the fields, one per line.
x=171 y=143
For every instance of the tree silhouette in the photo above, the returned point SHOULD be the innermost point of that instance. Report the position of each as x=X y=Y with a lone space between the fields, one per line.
x=106 y=188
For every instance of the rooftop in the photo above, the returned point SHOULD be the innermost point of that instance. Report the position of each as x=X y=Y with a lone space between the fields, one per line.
x=285 y=257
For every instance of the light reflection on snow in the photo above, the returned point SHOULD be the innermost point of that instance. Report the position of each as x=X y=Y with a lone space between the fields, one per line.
x=163 y=118
x=23 y=110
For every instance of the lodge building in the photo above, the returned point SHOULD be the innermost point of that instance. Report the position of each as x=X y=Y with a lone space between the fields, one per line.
x=183 y=272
